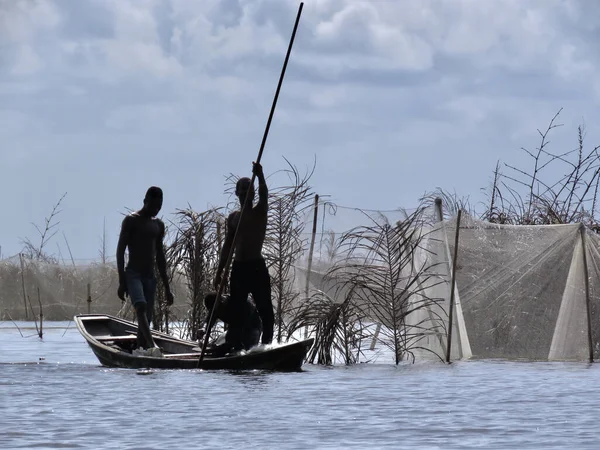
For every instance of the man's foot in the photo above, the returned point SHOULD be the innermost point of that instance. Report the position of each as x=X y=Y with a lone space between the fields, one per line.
x=154 y=352
x=138 y=351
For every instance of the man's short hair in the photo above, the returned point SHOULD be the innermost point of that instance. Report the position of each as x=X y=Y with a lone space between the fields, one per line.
x=154 y=192
x=243 y=183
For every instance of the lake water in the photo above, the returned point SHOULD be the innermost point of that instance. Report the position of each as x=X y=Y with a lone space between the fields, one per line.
x=67 y=400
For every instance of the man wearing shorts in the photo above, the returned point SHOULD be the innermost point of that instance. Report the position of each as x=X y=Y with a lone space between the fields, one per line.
x=249 y=272
x=143 y=234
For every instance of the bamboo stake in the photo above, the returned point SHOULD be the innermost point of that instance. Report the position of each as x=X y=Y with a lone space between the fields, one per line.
x=33 y=315
x=312 y=244
x=41 y=331
x=89 y=297
x=450 y=312
x=375 y=336
x=310 y=252
x=587 y=293
x=243 y=206
x=23 y=284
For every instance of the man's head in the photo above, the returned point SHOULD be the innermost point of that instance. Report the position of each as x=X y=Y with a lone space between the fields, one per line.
x=153 y=200
x=209 y=301
x=244 y=186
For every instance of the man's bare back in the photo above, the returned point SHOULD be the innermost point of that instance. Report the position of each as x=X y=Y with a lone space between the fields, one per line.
x=252 y=231
x=251 y=235
x=249 y=272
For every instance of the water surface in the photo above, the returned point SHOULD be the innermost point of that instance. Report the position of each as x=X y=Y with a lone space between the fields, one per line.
x=67 y=400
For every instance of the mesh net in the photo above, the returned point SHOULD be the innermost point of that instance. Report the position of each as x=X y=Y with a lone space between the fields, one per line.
x=520 y=291
x=64 y=289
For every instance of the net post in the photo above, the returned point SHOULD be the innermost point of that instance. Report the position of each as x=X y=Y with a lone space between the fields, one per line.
x=451 y=309
x=89 y=298
x=438 y=209
x=23 y=284
x=587 y=292
x=41 y=330
x=310 y=252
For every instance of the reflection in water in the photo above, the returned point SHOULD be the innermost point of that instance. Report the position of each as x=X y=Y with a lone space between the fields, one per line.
x=254 y=379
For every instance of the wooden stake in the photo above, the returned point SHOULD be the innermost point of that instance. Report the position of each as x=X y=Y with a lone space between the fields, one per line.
x=312 y=244
x=89 y=297
x=375 y=336
x=41 y=331
x=587 y=294
x=310 y=253
x=243 y=206
x=23 y=284
x=451 y=311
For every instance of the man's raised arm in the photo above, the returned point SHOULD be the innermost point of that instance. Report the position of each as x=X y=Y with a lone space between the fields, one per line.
x=263 y=191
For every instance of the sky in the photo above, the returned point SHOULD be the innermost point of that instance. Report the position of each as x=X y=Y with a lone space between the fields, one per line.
x=100 y=99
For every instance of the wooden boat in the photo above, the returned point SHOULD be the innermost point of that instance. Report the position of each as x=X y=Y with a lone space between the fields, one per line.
x=112 y=340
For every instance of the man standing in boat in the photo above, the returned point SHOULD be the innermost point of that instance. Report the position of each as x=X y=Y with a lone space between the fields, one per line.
x=249 y=273
x=143 y=234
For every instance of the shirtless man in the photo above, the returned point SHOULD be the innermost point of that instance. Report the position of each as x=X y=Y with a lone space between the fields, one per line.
x=143 y=234
x=249 y=273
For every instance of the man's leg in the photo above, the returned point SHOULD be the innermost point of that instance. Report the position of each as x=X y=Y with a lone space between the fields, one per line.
x=239 y=290
x=135 y=289
x=252 y=329
x=261 y=291
x=149 y=284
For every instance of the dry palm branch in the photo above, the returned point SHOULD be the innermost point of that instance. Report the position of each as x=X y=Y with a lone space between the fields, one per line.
x=380 y=270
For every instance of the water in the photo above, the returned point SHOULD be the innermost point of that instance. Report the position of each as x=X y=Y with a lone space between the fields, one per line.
x=68 y=401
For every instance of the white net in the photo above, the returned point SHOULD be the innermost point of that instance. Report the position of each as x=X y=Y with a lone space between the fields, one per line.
x=520 y=291
x=64 y=290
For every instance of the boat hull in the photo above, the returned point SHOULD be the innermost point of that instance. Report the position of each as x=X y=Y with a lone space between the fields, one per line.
x=109 y=337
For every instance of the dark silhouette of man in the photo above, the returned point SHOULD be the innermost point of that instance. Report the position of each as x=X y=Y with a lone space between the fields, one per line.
x=142 y=233
x=243 y=320
x=249 y=273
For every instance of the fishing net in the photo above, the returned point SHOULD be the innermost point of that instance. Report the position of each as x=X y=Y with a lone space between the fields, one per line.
x=520 y=291
x=63 y=290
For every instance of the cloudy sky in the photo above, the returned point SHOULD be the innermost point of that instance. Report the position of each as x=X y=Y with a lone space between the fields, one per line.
x=102 y=98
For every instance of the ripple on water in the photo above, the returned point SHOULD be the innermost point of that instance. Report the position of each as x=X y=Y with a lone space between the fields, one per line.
x=69 y=401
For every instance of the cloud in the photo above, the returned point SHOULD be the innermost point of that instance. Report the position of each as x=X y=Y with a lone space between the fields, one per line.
x=393 y=98
x=154 y=117
x=23 y=25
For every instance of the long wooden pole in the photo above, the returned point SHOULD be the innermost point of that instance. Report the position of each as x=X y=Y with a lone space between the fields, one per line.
x=243 y=207
x=450 y=312
x=587 y=293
